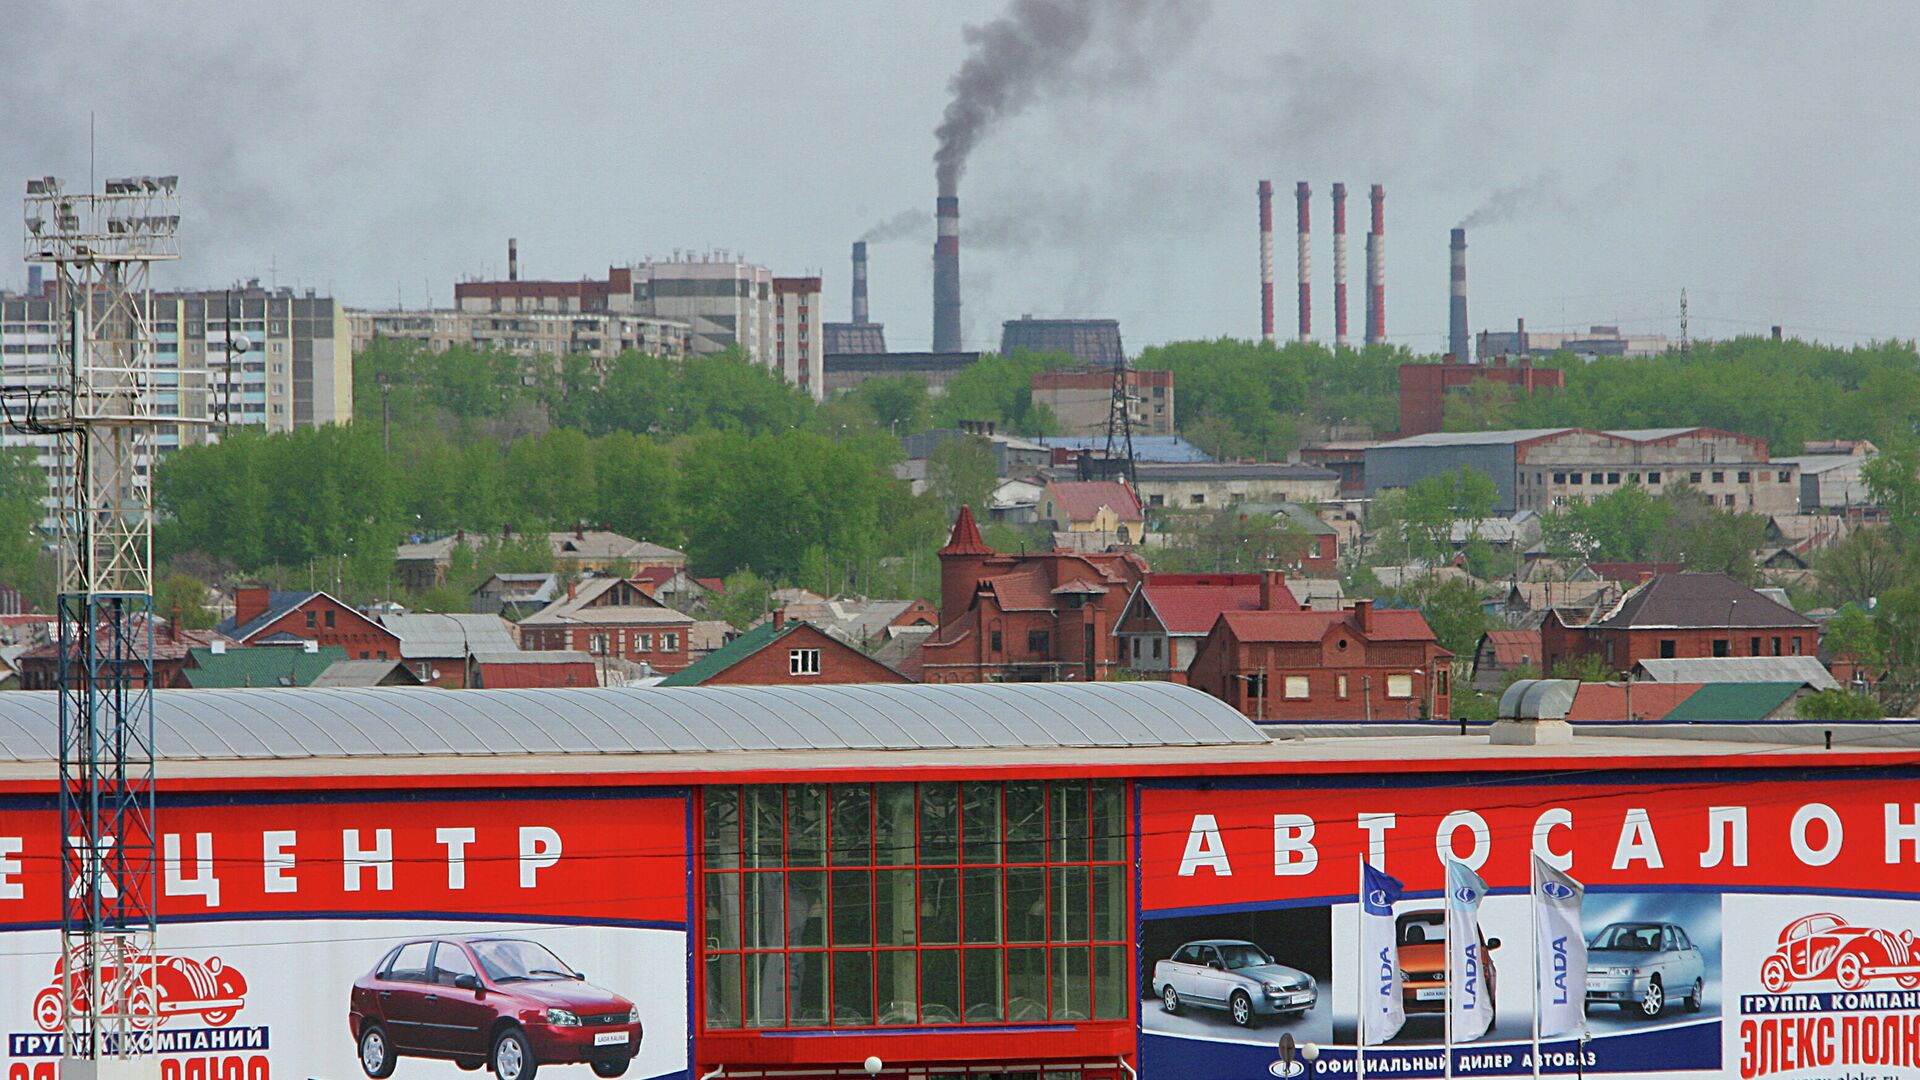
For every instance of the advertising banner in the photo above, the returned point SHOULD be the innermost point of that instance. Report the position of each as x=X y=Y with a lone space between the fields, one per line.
x=1819 y=873
x=1384 y=1015
x=1471 y=999
x=335 y=938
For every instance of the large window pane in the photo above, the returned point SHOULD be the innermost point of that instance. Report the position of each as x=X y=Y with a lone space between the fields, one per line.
x=852 y=907
x=766 y=989
x=1070 y=986
x=806 y=909
x=898 y=991
x=1069 y=903
x=852 y=989
x=893 y=816
x=1068 y=824
x=1026 y=984
x=723 y=991
x=986 y=989
x=939 y=824
x=723 y=911
x=1026 y=822
x=1109 y=903
x=940 y=986
x=806 y=824
x=807 y=989
x=983 y=906
x=1109 y=821
x=852 y=825
x=766 y=910
x=939 y=907
x=766 y=822
x=1026 y=903
x=894 y=921
x=720 y=834
x=980 y=816
x=1110 y=983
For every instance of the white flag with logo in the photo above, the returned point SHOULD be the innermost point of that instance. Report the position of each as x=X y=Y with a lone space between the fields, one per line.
x=1469 y=995
x=1382 y=1011
x=1561 y=949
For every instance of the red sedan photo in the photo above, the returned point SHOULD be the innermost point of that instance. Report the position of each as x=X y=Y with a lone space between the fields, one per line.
x=507 y=1004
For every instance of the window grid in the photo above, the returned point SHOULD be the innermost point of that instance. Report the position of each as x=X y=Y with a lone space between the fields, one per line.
x=1057 y=945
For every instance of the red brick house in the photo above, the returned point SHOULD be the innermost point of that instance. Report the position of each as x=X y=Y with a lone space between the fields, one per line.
x=1168 y=615
x=784 y=652
x=270 y=616
x=172 y=651
x=1682 y=617
x=1359 y=664
x=1032 y=617
x=518 y=669
x=611 y=618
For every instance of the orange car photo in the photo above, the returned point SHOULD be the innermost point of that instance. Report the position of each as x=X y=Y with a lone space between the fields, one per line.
x=1422 y=938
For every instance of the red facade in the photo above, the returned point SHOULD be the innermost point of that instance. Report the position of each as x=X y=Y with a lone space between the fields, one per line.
x=822 y=658
x=1682 y=617
x=315 y=617
x=1424 y=388
x=1360 y=664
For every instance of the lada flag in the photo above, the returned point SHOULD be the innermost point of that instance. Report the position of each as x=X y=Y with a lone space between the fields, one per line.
x=1382 y=1011
x=1561 y=949
x=1469 y=994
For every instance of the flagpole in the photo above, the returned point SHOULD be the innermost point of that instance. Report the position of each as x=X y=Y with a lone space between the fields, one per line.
x=1533 y=906
x=1446 y=992
x=1360 y=975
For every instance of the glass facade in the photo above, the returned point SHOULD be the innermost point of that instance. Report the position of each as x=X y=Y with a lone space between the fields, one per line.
x=877 y=905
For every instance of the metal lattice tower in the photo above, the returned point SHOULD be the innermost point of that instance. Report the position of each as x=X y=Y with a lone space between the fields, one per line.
x=1119 y=449
x=101 y=410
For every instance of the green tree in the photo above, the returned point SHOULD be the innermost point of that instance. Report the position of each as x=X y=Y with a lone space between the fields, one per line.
x=183 y=598
x=1227 y=540
x=1585 y=667
x=899 y=403
x=1000 y=389
x=1856 y=636
x=1838 y=705
x=1416 y=522
x=1625 y=525
x=745 y=597
x=962 y=472
x=1860 y=567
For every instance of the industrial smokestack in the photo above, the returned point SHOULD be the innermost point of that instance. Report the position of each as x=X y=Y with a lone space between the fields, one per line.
x=1340 y=266
x=1303 y=196
x=513 y=259
x=946 y=275
x=860 y=281
x=1457 y=342
x=1377 y=269
x=1266 y=261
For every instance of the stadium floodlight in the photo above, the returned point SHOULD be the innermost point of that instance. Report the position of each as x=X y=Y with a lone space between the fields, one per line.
x=35 y=224
x=169 y=184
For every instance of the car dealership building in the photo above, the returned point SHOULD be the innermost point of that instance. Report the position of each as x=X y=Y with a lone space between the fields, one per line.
x=1046 y=881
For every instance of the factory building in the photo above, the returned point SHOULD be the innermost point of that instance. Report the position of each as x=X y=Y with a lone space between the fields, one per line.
x=1424 y=388
x=1594 y=341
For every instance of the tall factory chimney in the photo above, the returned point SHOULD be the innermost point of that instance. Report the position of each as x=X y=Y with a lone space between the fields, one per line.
x=1377 y=269
x=860 y=281
x=1457 y=342
x=513 y=259
x=1303 y=196
x=1340 y=266
x=946 y=275
x=1266 y=261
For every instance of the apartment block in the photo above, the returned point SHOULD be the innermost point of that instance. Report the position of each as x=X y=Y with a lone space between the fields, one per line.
x=798 y=334
x=601 y=335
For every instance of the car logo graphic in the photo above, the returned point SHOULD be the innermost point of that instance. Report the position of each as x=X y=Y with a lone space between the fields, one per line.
x=1285 y=1069
x=1556 y=890
x=1377 y=898
x=1466 y=894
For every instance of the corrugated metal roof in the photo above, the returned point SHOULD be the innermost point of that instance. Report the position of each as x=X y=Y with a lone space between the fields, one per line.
x=1735 y=701
x=1468 y=438
x=428 y=636
x=1774 y=669
x=386 y=722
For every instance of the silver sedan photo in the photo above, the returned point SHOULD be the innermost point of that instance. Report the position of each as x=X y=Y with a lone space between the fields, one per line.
x=1643 y=966
x=1237 y=976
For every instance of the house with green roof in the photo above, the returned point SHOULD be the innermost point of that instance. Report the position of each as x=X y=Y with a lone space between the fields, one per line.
x=784 y=652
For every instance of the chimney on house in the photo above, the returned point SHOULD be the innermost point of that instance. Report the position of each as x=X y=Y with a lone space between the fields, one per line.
x=249 y=604
x=173 y=625
x=780 y=618
x=1272 y=584
x=513 y=259
x=1363 y=616
x=572 y=589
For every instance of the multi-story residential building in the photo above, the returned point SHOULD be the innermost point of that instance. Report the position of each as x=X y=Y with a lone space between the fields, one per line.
x=1540 y=469
x=297 y=370
x=1360 y=664
x=601 y=335
x=798 y=338
x=1081 y=399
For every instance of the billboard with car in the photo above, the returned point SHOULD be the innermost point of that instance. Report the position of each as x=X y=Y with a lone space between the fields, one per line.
x=379 y=937
x=1746 y=924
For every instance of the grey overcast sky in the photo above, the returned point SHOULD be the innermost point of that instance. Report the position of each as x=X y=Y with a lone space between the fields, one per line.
x=1763 y=156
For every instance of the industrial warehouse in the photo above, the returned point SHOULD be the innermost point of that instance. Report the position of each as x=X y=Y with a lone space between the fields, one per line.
x=1106 y=880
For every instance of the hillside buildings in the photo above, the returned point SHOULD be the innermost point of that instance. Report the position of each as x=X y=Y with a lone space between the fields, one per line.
x=1081 y=399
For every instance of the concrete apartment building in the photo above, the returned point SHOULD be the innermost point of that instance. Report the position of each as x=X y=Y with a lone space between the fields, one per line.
x=798 y=334
x=1539 y=469
x=1081 y=399
x=297 y=370
x=1596 y=341
x=601 y=335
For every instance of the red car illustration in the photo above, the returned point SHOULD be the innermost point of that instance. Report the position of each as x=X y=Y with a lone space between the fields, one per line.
x=167 y=986
x=1823 y=946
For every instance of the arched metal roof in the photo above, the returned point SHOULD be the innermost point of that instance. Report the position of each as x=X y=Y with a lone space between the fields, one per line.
x=388 y=722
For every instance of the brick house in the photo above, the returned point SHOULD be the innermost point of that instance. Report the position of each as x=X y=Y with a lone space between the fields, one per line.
x=1168 y=615
x=784 y=652
x=611 y=618
x=1108 y=507
x=1032 y=617
x=436 y=646
x=39 y=665
x=266 y=616
x=1680 y=617
x=1359 y=664
x=518 y=669
x=1500 y=652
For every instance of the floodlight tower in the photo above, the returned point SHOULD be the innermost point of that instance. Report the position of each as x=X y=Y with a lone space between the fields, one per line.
x=101 y=410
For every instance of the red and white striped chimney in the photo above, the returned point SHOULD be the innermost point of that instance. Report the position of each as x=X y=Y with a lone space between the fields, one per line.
x=1303 y=195
x=1340 y=266
x=1377 y=270
x=1266 y=260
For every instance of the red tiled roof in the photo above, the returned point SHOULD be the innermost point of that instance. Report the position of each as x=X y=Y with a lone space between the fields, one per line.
x=1186 y=607
x=1608 y=701
x=1080 y=585
x=1082 y=500
x=966 y=536
x=1305 y=626
x=1512 y=648
x=718 y=585
x=1023 y=589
